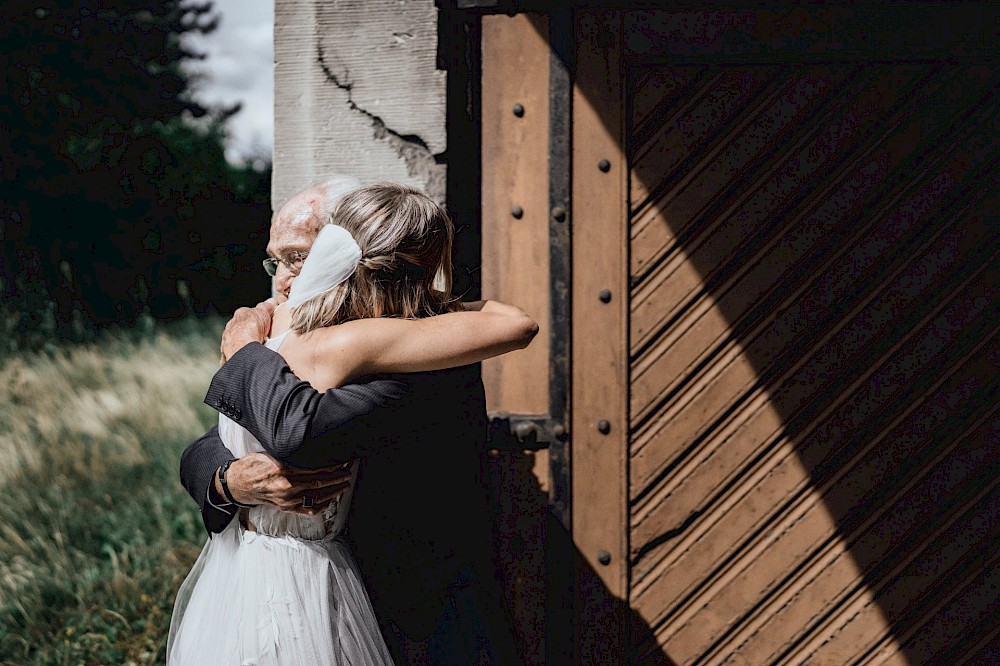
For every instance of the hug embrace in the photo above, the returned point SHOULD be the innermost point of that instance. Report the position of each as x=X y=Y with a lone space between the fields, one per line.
x=343 y=486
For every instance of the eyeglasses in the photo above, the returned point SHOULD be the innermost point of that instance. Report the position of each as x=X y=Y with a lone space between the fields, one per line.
x=293 y=262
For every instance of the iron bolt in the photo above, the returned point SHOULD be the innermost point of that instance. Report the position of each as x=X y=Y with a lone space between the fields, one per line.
x=604 y=426
x=524 y=430
x=519 y=110
x=604 y=166
x=604 y=557
x=605 y=295
x=559 y=213
x=517 y=212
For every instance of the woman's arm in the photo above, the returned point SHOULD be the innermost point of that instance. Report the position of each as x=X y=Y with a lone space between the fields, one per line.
x=483 y=330
x=370 y=346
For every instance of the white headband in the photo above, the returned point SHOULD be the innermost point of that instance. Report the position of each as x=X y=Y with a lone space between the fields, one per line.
x=332 y=259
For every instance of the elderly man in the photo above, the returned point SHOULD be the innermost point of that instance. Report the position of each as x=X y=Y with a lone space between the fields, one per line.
x=418 y=522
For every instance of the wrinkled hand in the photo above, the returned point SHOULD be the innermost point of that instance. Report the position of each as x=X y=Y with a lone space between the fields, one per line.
x=258 y=478
x=247 y=325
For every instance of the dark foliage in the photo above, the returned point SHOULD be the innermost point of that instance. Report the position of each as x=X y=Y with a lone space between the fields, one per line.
x=117 y=202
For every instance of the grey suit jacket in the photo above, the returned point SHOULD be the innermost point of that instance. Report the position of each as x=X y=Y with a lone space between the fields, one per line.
x=419 y=512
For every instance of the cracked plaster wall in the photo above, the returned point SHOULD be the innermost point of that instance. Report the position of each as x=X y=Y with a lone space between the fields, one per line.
x=357 y=91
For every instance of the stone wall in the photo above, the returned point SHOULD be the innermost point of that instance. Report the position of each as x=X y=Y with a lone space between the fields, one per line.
x=357 y=91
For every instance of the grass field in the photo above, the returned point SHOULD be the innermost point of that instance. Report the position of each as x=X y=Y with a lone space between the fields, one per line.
x=96 y=532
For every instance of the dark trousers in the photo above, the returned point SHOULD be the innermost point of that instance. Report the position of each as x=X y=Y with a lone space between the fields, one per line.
x=473 y=630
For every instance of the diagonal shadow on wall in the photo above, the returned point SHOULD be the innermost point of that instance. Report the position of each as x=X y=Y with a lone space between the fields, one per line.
x=814 y=434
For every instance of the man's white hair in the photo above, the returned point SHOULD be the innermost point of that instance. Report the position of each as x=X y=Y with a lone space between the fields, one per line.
x=334 y=187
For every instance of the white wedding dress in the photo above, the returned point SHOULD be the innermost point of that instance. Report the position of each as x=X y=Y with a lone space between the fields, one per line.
x=289 y=594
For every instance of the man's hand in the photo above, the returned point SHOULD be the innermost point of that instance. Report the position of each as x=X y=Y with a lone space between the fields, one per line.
x=258 y=478
x=247 y=325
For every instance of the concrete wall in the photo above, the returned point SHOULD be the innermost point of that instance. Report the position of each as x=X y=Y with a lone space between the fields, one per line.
x=357 y=91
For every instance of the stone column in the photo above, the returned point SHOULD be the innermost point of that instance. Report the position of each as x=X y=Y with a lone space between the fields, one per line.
x=357 y=91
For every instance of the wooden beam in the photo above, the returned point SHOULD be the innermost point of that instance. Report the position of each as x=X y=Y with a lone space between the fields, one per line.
x=515 y=168
x=599 y=444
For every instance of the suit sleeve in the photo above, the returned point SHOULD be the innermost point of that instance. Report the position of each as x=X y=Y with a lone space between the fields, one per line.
x=295 y=423
x=199 y=462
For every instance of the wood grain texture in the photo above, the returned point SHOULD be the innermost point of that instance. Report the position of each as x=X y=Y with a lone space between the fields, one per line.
x=516 y=173
x=515 y=269
x=599 y=337
x=813 y=347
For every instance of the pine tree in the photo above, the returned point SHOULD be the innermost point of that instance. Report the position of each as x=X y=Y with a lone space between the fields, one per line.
x=106 y=176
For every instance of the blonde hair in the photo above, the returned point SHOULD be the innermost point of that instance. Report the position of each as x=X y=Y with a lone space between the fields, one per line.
x=405 y=240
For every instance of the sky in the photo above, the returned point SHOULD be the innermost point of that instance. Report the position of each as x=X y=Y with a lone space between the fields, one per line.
x=240 y=68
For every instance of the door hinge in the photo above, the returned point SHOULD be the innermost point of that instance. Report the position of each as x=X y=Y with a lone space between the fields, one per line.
x=524 y=432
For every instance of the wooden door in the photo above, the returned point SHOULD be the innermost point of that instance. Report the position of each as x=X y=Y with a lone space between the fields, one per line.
x=784 y=434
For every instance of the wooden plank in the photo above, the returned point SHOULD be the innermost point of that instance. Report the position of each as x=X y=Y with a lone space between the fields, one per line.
x=741 y=587
x=515 y=269
x=721 y=459
x=796 y=33
x=667 y=163
x=785 y=388
x=656 y=446
x=890 y=513
x=723 y=534
x=914 y=555
x=664 y=363
x=654 y=93
x=830 y=578
x=599 y=340
x=944 y=560
x=515 y=172
x=969 y=610
x=755 y=216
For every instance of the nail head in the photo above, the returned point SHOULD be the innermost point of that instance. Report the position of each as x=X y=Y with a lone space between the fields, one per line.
x=524 y=431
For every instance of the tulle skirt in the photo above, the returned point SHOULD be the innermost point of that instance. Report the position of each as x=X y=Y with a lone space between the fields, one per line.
x=258 y=600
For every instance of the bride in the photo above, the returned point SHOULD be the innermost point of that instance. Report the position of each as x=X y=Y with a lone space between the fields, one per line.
x=280 y=588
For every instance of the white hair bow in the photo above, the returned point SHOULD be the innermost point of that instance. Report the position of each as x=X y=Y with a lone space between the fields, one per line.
x=332 y=259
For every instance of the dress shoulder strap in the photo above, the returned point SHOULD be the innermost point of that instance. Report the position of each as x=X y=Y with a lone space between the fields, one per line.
x=275 y=342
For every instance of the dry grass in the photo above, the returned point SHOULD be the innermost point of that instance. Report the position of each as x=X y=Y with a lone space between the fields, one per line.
x=117 y=392
x=96 y=532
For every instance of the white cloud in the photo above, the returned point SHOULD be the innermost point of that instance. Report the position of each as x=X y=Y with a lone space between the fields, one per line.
x=239 y=67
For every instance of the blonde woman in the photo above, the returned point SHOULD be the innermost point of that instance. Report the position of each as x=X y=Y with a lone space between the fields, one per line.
x=282 y=587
